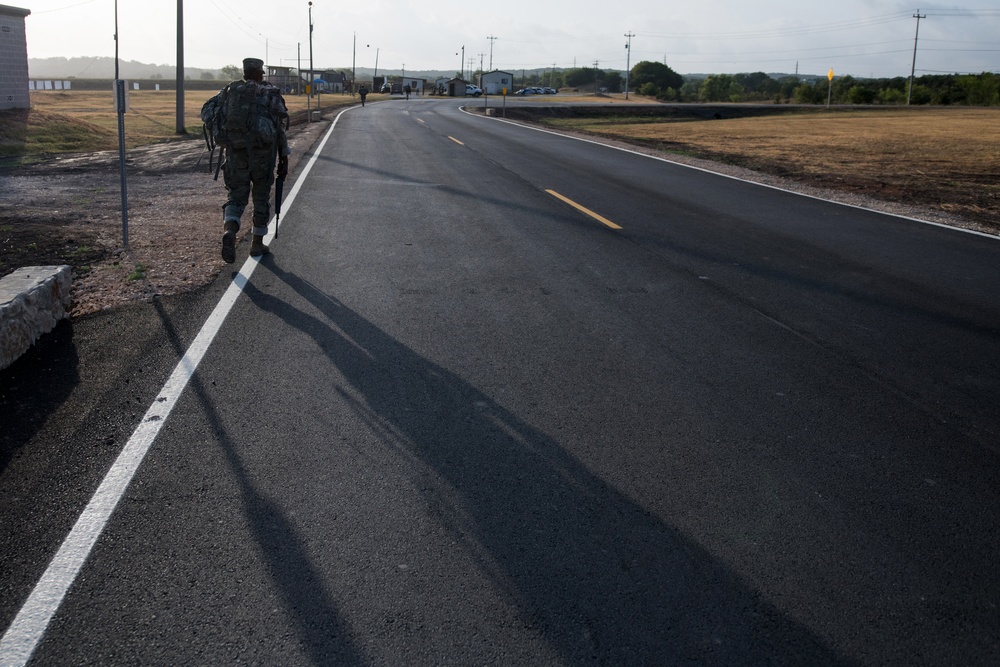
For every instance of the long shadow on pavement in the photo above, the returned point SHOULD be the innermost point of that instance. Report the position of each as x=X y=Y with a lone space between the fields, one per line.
x=597 y=575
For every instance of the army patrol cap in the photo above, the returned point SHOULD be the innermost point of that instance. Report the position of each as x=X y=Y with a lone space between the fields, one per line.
x=253 y=65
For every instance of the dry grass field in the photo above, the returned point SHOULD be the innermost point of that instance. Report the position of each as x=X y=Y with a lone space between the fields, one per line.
x=946 y=158
x=83 y=121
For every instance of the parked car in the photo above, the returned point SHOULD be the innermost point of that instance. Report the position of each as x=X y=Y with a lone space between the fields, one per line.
x=526 y=91
x=475 y=91
x=549 y=91
x=386 y=88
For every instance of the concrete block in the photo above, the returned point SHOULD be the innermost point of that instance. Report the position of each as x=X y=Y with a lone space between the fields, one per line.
x=32 y=301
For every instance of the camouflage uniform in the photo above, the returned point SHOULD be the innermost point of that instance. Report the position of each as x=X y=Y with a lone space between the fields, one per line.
x=251 y=170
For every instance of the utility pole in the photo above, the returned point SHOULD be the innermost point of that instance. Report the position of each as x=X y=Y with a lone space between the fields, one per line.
x=482 y=56
x=492 y=39
x=913 y=67
x=596 y=63
x=463 y=63
x=628 y=59
x=354 y=64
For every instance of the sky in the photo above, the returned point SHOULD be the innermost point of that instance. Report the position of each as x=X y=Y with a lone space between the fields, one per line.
x=863 y=38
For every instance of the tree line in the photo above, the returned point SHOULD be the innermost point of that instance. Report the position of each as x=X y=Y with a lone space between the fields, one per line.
x=657 y=80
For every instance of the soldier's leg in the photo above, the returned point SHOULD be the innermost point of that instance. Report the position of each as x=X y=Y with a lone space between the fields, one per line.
x=263 y=177
x=236 y=174
x=237 y=178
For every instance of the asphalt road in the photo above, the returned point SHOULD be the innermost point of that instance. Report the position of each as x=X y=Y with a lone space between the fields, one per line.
x=455 y=419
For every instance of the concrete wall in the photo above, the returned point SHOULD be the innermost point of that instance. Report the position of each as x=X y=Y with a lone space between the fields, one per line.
x=13 y=59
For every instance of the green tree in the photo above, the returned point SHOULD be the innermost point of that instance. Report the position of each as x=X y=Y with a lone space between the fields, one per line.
x=981 y=89
x=758 y=86
x=656 y=73
x=613 y=81
x=891 y=95
x=689 y=91
x=810 y=94
x=859 y=94
x=720 y=88
x=921 y=94
x=580 y=77
x=208 y=76
x=649 y=89
x=232 y=72
x=787 y=86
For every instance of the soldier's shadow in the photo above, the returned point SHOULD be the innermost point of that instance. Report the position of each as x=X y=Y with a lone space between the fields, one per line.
x=599 y=576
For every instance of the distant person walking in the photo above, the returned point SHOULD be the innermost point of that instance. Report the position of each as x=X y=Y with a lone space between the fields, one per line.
x=363 y=92
x=407 y=89
x=247 y=118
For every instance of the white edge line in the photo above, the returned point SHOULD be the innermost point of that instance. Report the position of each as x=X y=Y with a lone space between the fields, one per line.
x=26 y=631
x=735 y=178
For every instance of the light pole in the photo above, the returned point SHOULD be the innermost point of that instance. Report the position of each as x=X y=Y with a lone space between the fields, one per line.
x=310 y=47
x=180 y=129
x=309 y=81
x=120 y=104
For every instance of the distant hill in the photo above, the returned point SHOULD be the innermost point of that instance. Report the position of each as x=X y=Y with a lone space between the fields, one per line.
x=104 y=68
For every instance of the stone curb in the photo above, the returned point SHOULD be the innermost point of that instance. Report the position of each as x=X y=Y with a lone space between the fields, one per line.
x=32 y=301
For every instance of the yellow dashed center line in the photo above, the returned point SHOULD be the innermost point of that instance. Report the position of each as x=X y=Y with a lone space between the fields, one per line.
x=584 y=209
x=456 y=141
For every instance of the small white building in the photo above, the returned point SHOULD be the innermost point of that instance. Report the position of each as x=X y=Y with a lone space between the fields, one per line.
x=496 y=82
x=416 y=85
x=13 y=59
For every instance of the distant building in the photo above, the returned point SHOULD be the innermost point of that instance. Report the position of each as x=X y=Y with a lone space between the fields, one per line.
x=496 y=82
x=282 y=78
x=13 y=59
x=416 y=85
x=456 y=87
x=326 y=81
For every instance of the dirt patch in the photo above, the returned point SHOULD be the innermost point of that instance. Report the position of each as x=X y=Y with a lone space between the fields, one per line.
x=67 y=210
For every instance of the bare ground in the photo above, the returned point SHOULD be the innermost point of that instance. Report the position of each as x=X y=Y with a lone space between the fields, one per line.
x=67 y=210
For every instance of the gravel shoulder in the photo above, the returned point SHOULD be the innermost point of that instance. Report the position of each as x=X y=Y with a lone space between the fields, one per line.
x=67 y=210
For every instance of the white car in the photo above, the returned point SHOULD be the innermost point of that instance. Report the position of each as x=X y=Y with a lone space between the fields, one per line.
x=475 y=91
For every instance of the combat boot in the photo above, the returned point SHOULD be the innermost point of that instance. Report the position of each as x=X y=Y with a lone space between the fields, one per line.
x=229 y=241
x=257 y=248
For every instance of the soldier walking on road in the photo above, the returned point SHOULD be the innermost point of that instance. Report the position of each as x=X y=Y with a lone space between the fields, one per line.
x=248 y=119
x=363 y=92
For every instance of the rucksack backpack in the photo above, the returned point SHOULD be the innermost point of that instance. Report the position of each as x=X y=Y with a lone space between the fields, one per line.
x=241 y=116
